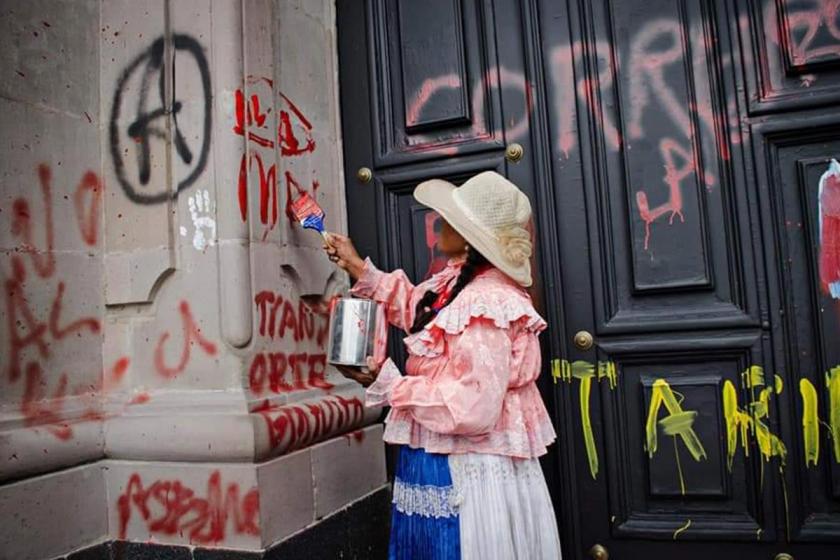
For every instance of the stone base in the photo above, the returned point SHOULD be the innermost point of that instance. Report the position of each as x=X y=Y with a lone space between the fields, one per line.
x=359 y=531
x=209 y=510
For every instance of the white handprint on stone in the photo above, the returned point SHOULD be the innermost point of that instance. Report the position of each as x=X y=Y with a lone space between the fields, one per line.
x=201 y=213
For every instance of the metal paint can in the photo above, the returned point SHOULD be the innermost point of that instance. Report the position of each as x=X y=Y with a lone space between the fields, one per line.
x=352 y=331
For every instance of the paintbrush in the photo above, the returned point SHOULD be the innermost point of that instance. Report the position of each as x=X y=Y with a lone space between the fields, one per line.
x=310 y=215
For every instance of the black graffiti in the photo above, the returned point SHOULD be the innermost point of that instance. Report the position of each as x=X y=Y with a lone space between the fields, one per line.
x=149 y=125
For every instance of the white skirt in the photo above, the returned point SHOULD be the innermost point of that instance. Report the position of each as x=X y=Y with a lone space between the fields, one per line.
x=504 y=507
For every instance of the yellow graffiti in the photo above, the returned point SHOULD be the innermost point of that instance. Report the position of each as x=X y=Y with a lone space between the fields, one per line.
x=583 y=371
x=751 y=422
x=810 y=422
x=745 y=425
x=683 y=528
x=607 y=370
x=588 y=436
x=679 y=422
x=811 y=417
x=832 y=385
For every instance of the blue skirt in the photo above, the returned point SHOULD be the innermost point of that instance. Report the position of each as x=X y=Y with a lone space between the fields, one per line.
x=424 y=522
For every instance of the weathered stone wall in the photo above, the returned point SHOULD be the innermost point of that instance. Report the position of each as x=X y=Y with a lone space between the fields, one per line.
x=160 y=307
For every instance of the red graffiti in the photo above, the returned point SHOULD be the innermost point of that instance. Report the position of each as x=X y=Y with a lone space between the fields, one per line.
x=427 y=90
x=293 y=136
x=19 y=315
x=588 y=90
x=812 y=32
x=829 y=223
x=296 y=426
x=673 y=177
x=190 y=333
x=89 y=323
x=26 y=329
x=37 y=410
x=43 y=260
x=87 y=214
x=272 y=368
x=496 y=77
x=248 y=113
x=171 y=508
x=290 y=144
x=292 y=125
x=268 y=189
x=279 y=317
x=564 y=101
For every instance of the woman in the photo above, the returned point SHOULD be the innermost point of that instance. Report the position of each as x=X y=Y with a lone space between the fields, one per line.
x=468 y=416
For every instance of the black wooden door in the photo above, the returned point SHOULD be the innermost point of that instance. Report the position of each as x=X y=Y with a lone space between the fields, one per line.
x=678 y=155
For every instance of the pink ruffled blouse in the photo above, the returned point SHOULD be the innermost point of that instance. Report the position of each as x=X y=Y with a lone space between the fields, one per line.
x=471 y=371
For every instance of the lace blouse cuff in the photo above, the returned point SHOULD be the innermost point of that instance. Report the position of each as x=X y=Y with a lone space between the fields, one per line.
x=379 y=393
x=366 y=285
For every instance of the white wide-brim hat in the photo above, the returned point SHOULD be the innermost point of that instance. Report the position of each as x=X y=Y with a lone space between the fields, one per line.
x=491 y=214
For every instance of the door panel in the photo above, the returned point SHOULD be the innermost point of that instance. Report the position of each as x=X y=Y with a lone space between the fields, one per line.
x=436 y=82
x=664 y=205
x=792 y=52
x=803 y=191
x=670 y=464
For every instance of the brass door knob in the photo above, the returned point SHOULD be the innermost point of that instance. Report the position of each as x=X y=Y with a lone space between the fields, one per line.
x=599 y=552
x=784 y=556
x=514 y=152
x=584 y=340
x=364 y=175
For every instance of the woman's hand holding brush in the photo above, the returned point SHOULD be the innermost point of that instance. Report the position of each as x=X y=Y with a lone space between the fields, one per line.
x=341 y=251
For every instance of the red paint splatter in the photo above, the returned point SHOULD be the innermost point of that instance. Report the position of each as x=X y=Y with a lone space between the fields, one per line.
x=141 y=398
x=190 y=333
x=358 y=436
x=115 y=375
